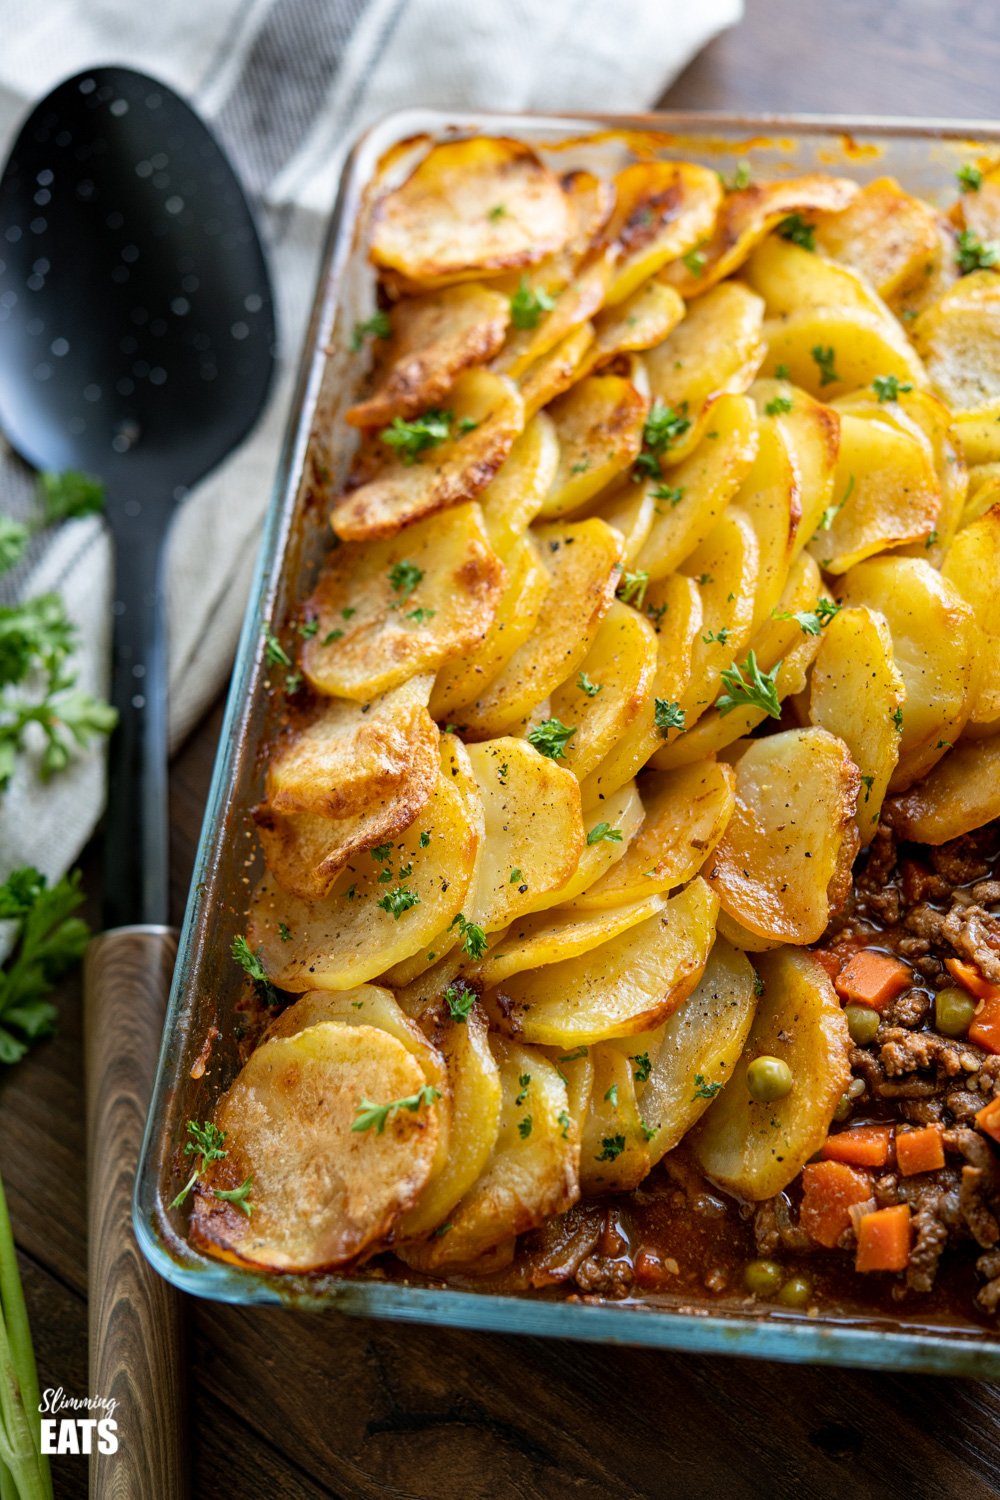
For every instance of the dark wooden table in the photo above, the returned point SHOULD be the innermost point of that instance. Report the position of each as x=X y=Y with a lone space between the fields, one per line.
x=287 y=1405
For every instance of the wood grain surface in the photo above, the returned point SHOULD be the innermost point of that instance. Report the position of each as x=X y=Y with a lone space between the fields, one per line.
x=136 y=1348
x=289 y=1407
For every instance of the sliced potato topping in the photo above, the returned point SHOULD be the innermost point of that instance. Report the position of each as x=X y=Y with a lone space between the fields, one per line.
x=961 y=793
x=449 y=456
x=885 y=234
x=434 y=338
x=551 y=936
x=717 y=348
x=663 y=209
x=442 y=224
x=402 y=605
x=512 y=500
x=614 y=1149
x=599 y=424
x=959 y=338
x=613 y=686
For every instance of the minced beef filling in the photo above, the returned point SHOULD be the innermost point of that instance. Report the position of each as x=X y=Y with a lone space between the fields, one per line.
x=925 y=905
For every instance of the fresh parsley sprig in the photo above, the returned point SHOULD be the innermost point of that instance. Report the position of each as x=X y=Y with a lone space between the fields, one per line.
x=756 y=690
x=375 y=1116
x=49 y=940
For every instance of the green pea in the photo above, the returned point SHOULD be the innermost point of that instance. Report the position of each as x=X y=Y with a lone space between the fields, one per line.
x=796 y=1292
x=862 y=1023
x=763 y=1277
x=953 y=1011
x=769 y=1078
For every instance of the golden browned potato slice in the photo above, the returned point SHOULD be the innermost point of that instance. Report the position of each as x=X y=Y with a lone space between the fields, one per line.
x=614 y=1149
x=549 y=937
x=980 y=210
x=626 y=985
x=321 y=1191
x=959 y=338
x=716 y=349
x=885 y=234
x=642 y=321
x=484 y=417
x=622 y=811
x=929 y=420
x=612 y=687
x=574 y=301
x=784 y=642
x=978 y=433
x=599 y=425
x=474 y=1085
x=591 y=200
x=534 y=830
x=663 y=209
x=790 y=278
x=769 y=498
x=402 y=605
x=695 y=1053
x=686 y=813
x=887 y=493
x=694 y=493
x=935 y=643
x=460 y=680
x=960 y=793
x=350 y=756
x=972 y=564
x=366 y=924
x=726 y=568
x=755 y=1149
x=941 y=273
x=631 y=511
x=434 y=338
x=512 y=500
x=855 y=692
x=530 y=1175
x=740 y=937
x=443 y=223
x=582 y=560
x=984 y=492
x=556 y=371
x=810 y=431
x=783 y=864
x=747 y=216
x=674 y=604
x=830 y=351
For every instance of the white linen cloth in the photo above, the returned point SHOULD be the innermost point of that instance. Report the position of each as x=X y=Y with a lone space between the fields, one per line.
x=287 y=85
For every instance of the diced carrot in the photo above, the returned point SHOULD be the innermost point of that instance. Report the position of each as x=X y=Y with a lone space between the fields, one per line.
x=864 y=1146
x=919 y=1150
x=884 y=1240
x=969 y=976
x=873 y=979
x=828 y=1190
x=988 y=1119
x=985 y=1028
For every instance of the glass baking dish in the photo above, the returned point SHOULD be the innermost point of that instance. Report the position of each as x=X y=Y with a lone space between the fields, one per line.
x=206 y=987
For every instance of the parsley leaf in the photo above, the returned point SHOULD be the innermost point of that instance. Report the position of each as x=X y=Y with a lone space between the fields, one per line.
x=551 y=737
x=663 y=427
x=810 y=621
x=411 y=438
x=585 y=685
x=756 y=690
x=472 y=935
x=665 y=492
x=643 y=1066
x=239 y=1196
x=14 y=538
x=605 y=832
x=528 y=304
x=378 y=326
x=49 y=940
x=398 y=900
x=374 y=1116
x=459 y=1001
x=404 y=577
x=703 y=1089
x=250 y=962
x=695 y=260
x=799 y=231
x=739 y=180
x=667 y=716
x=970 y=179
x=632 y=589
x=207 y=1143
x=778 y=406
x=524 y=1127
x=824 y=358
x=973 y=254
x=889 y=387
x=612 y=1146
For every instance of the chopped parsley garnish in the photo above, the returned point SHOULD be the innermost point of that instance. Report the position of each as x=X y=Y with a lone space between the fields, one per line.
x=897 y=719
x=778 y=406
x=611 y=1097
x=274 y=652
x=497 y=212
x=828 y=517
x=377 y=327
x=811 y=621
x=667 y=492
x=649 y=1130
x=824 y=358
x=585 y=685
x=404 y=577
x=755 y=690
x=473 y=937
x=605 y=832
x=524 y=1127
x=632 y=589
x=889 y=387
x=739 y=180
x=970 y=179
x=643 y=1066
x=667 y=716
x=581 y=467
x=758 y=985
x=703 y=1089
x=868 y=782
x=207 y=1143
x=528 y=304
x=425 y=839
x=369 y=1115
x=656 y=613
x=459 y=1001
x=575 y=1055
x=250 y=962
x=695 y=260
x=782 y=372
x=720 y=636
x=284 y=932
x=612 y=1147
x=238 y=1196
x=411 y=438
x=799 y=231
x=551 y=737
x=398 y=900
x=525 y=1082
x=663 y=427
x=381 y=852
x=973 y=254
x=515 y=875
x=420 y=616
x=563 y=1119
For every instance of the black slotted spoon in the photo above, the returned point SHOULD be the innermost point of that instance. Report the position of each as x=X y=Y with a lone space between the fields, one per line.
x=136 y=344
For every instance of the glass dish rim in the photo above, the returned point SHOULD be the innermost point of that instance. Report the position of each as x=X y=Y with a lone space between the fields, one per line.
x=843 y=1341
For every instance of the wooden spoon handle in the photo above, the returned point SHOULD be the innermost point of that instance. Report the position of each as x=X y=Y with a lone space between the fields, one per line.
x=135 y=1317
